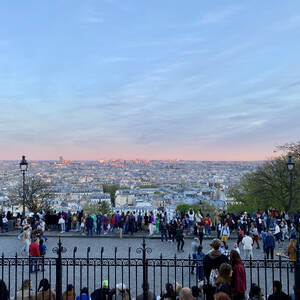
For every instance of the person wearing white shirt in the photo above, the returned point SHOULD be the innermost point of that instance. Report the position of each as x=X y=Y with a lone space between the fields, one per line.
x=248 y=242
x=4 y=224
x=62 y=222
x=277 y=234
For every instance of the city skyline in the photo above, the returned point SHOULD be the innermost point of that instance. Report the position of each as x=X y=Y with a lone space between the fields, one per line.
x=95 y=80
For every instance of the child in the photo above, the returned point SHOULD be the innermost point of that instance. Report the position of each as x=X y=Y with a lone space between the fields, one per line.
x=226 y=251
x=236 y=248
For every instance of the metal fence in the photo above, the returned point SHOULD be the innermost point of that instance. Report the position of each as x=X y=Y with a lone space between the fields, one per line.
x=133 y=271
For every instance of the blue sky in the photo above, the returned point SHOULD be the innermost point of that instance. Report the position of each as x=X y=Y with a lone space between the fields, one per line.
x=211 y=80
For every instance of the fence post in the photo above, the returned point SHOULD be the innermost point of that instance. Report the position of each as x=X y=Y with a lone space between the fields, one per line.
x=59 y=250
x=144 y=250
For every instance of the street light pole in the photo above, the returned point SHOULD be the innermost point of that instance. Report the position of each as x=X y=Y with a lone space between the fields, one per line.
x=290 y=166
x=23 y=168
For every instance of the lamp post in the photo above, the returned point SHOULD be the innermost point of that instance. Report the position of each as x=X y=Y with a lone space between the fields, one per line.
x=290 y=166
x=23 y=168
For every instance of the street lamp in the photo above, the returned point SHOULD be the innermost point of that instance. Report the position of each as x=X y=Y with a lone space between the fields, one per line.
x=23 y=168
x=290 y=166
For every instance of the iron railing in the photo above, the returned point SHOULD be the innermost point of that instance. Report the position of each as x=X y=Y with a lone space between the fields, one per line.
x=134 y=271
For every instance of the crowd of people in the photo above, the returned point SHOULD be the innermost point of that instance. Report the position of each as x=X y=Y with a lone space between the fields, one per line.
x=219 y=277
x=263 y=229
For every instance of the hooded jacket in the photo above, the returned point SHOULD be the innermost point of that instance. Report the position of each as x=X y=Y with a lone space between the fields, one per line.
x=213 y=260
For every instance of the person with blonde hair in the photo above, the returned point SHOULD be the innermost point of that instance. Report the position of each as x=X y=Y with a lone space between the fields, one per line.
x=26 y=237
x=291 y=252
x=26 y=292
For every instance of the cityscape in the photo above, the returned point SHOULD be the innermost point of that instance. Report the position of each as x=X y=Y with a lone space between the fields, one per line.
x=144 y=185
x=149 y=150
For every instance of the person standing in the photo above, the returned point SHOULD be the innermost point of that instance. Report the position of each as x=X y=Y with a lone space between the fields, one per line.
x=163 y=229
x=248 y=246
x=179 y=238
x=225 y=233
x=207 y=223
x=277 y=234
x=99 y=223
x=34 y=252
x=4 y=224
x=199 y=264
x=194 y=249
x=26 y=239
x=255 y=235
x=89 y=222
x=270 y=245
x=61 y=223
x=239 y=285
x=121 y=224
x=200 y=232
x=151 y=224
x=291 y=252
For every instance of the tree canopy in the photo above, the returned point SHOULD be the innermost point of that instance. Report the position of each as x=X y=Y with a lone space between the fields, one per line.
x=267 y=187
x=205 y=208
x=95 y=208
x=37 y=195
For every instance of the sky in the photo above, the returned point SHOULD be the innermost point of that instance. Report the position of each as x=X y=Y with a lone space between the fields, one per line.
x=203 y=80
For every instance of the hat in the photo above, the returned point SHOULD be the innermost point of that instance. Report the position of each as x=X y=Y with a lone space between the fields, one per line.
x=105 y=283
x=121 y=286
x=216 y=244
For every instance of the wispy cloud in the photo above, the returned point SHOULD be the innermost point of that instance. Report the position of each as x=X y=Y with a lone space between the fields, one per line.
x=91 y=16
x=287 y=24
x=218 y=16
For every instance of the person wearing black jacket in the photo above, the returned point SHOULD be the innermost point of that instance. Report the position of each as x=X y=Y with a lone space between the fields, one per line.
x=214 y=258
x=278 y=294
x=4 y=294
x=102 y=293
x=213 y=261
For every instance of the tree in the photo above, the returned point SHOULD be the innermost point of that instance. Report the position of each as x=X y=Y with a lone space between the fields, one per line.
x=184 y=208
x=111 y=189
x=291 y=148
x=266 y=187
x=95 y=208
x=205 y=208
x=37 y=195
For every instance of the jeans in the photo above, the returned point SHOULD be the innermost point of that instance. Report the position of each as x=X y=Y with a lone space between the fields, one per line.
x=4 y=227
x=125 y=228
x=33 y=264
x=74 y=225
x=180 y=244
x=163 y=233
x=200 y=273
x=63 y=227
x=207 y=230
x=270 y=252
x=89 y=231
x=99 y=228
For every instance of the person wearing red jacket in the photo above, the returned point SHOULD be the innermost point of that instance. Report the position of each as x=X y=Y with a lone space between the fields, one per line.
x=206 y=223
x=34 y=253
x=239 y=286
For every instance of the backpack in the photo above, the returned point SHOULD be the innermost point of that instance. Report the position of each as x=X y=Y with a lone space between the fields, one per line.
x=214 y=274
